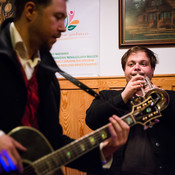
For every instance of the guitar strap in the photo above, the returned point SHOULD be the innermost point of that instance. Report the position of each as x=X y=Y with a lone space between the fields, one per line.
x=82 y=86
x=73 y=80
x=78 y=83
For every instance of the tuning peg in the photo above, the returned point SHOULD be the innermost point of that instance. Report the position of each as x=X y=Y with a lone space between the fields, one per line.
x=151 y=124
x=146 y=127
x=156 y=121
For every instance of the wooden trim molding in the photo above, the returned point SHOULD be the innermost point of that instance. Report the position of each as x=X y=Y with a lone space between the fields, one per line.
x=164 y=81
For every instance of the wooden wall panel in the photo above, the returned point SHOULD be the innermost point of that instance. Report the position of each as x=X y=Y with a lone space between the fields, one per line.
x=73 y=114
x=74 y=103
x=72 y=117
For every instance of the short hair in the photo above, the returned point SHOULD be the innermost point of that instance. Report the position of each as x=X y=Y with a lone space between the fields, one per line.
x=150 y=54
x=19 y=5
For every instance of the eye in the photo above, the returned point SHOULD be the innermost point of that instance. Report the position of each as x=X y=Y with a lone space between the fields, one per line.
x=130 y=64
x=144 y=63
x=59 y=16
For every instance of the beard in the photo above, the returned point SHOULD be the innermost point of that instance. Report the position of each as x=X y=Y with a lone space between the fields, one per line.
x=46 y=46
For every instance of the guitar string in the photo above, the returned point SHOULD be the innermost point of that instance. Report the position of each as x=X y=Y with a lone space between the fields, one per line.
x=40 y=168
x=27 y=169
x=74 y=149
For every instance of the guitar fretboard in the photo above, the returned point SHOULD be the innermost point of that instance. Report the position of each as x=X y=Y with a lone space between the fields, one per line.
x=75 y=149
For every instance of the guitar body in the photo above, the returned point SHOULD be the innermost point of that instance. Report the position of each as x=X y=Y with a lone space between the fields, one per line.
x=37 y=147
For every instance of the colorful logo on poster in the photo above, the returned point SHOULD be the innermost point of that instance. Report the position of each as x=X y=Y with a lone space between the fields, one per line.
x=70 y=23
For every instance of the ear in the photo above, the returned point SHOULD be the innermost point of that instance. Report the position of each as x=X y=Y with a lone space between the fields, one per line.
x=30 y=10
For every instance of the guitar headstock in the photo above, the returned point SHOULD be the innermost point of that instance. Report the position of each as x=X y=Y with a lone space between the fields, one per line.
x=147 y=111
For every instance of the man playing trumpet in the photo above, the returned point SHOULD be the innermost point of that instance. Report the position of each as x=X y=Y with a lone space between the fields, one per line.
x=146 y=152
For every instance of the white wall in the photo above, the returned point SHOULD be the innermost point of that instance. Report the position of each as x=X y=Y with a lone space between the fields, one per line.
x=110 y=54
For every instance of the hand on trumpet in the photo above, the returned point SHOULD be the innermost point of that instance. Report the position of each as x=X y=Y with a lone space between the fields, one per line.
x=138 y=85
x=133 y=87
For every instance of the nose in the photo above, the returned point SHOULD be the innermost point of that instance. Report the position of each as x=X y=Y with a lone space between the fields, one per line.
x=62 y=27
x=137 y=67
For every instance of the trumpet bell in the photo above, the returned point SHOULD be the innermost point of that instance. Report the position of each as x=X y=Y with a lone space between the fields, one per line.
x=160 y=95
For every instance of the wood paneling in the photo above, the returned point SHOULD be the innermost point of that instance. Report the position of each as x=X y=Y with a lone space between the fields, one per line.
x=74 y=102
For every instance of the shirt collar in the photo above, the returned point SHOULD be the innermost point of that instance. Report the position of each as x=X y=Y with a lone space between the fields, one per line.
x=20 y=47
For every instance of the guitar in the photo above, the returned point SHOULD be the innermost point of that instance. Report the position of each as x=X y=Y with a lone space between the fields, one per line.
x=40 y=157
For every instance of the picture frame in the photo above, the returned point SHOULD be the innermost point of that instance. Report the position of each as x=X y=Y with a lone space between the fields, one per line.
x=146 y=22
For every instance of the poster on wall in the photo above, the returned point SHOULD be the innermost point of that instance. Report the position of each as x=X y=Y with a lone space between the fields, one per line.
x=77 y=51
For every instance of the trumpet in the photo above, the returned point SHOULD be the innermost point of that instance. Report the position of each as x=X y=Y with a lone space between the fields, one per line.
x=159 y=95
x=160 y=100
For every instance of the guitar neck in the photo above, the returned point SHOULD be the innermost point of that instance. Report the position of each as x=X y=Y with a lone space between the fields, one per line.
x=130 y=118
x=76 y=148
x=71 y=151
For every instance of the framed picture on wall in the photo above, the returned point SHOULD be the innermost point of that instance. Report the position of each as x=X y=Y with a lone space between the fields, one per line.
x=146 y=22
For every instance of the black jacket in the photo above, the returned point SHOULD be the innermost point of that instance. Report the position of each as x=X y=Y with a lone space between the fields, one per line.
x=162 y=135
x=13 y=97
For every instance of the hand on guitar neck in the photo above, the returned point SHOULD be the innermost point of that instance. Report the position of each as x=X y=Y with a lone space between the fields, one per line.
x=119 y=131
